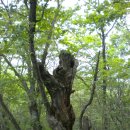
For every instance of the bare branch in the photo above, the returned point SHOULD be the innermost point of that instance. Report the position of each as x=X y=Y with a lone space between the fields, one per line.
x=16 y=73
x=50 y=34
x=79 y=77
x=111 y=28
x=26 y=4
x=43 y=11
x=92 y=92
x=45 y=53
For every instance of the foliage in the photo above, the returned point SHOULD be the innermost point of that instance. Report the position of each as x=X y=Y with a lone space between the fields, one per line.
x=80 y=34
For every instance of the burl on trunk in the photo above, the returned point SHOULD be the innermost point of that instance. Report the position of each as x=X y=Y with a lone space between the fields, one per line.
x=59 y=86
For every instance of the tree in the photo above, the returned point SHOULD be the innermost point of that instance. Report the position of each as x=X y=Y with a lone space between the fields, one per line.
x=60 y=112
x=33 y=93
x=98 y=18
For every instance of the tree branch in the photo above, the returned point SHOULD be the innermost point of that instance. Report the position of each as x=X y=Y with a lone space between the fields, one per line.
x=46 y=76
x=111 y=28
x=82 y=80
x=9 y=114
x=43 y=10
x=26 y=4
x=50 y=35
x=92 y=92
x=16 y=73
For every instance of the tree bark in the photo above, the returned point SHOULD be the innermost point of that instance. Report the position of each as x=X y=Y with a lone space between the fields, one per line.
x=36 y=125
x=59 y=86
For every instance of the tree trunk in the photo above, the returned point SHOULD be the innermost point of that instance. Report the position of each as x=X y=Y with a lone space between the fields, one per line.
x=104 y=86
x=59 y=86
x=84 y=120
x=35 y=117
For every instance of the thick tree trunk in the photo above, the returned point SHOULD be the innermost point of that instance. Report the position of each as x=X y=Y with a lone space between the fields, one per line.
x=59 y=86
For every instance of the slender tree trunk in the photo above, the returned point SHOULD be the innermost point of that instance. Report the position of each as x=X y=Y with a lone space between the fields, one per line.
x=84 y=122
x=104 y=86
x=35 y=117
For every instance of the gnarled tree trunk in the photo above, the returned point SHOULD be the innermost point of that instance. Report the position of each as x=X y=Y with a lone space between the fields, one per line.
x=59 y=86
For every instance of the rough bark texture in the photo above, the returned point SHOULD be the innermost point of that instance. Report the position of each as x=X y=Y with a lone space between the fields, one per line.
x=59 y=86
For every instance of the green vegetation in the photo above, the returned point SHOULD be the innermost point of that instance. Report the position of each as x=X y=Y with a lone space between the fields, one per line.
x=96 y=33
